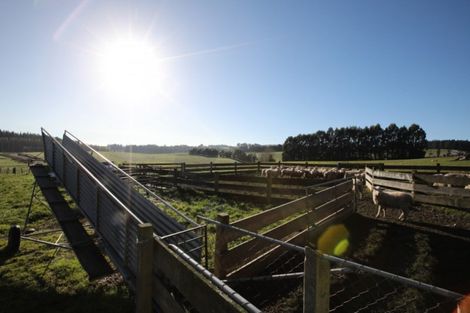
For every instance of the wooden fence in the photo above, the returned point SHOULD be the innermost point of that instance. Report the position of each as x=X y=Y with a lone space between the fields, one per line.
x=451 y=192
x=14 y=170
x=247 y=258
x=238 y=168
x=223 y=181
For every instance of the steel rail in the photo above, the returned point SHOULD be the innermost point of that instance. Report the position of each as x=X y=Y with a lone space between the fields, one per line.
x=145 y=209
x=93 y=178
x=166 y=203
x=232 y=294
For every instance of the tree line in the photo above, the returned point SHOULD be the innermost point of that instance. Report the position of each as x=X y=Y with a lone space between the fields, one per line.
x=255 y=147
x=144 y=148
x=356 y=143
x=20 y=142
x=463 y=145
x=236 y=154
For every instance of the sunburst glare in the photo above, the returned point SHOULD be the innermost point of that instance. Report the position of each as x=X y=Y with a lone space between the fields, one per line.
x=128 y=67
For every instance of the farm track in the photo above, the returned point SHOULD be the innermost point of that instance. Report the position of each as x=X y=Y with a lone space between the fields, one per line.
x=432 y=246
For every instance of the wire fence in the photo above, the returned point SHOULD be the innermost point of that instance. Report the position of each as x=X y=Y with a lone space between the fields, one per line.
x=365 y=292
x=347 y=287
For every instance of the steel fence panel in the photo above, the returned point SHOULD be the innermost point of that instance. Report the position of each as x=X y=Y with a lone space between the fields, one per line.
x=71 y=176
x=87 y=197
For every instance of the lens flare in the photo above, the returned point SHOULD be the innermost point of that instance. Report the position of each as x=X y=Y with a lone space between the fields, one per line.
x=334 y=240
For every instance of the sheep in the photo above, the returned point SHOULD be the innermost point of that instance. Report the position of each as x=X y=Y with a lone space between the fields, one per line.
x=358 y=186
x=467 y=187
x=392 y=199
x=458 y=179
x=273 y=171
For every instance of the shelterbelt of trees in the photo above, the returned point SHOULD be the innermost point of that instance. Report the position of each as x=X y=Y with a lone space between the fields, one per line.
x=236 y=154
x=356 y=143
x=463 y=145
x=19 y=142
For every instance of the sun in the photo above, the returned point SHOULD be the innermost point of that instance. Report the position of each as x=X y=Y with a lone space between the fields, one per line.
x=128 y=68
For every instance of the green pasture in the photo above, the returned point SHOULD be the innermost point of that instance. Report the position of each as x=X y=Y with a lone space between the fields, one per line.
x=121 y=157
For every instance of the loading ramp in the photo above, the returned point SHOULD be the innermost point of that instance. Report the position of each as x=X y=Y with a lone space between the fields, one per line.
x=157 y=255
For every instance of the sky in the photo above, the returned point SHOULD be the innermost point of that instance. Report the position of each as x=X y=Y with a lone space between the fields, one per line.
x=226 y=72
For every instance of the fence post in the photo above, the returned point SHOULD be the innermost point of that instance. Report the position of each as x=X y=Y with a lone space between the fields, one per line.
x=316 y=283
x=413 y=183
x=183 y=168
x=216 y=182
x=144 y=275
x=259 y=167
x=211 y=167
x=355 y=194
x=236 y=168
x=438 y=168
x=221 y=245
x=269 y=184
x=175 y=177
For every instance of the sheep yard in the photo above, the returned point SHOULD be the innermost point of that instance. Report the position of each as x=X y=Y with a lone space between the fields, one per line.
x=431 y=246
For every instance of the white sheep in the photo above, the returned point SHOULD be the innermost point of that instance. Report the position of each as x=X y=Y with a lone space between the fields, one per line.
x=358 y=187
x=467 y=187
x=458 y=179
x=392 y=199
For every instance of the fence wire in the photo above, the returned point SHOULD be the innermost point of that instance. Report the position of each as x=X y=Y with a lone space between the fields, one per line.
x=364 y=292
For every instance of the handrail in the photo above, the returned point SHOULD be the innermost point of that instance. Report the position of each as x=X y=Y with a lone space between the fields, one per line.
x=167 y=204
x=98 y=183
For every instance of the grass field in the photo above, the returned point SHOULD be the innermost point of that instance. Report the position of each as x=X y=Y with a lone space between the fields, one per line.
x=121 y=157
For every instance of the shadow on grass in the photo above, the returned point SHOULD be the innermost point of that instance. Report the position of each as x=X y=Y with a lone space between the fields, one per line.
x=15 y=299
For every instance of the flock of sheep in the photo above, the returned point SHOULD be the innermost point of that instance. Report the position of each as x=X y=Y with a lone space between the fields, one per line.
x=381 y=197
x=327 y=173
x=455 y=180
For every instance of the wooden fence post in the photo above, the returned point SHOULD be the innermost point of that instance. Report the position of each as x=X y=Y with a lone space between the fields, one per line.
x=175 y=177
x=316 y=283
x=236 y=168
x=413 y=182
x=183 y=168
x=269 y=184
x=259 y=167
x=144 y=277
x=221 y=245
x=355 y=194
x=211 y=167
x=216 y=182
x=438 y=168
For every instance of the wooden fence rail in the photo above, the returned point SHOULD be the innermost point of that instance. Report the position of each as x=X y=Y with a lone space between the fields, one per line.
x=249 y=257
x=257 y=167
x=422 y=187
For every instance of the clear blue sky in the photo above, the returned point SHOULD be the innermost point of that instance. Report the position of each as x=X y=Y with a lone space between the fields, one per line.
x=232 y=71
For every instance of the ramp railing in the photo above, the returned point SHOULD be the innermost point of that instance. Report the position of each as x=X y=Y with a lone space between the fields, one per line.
x=177 y=282
x=136 y=183
x=111 y=219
